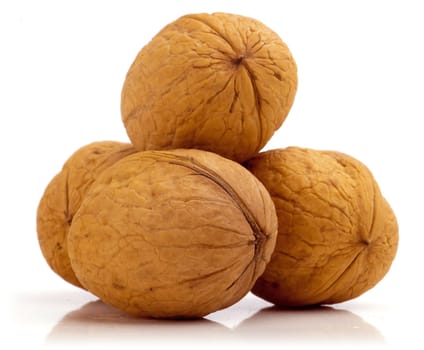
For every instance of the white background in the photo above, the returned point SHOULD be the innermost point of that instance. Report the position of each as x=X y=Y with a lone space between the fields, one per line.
x=361 y=91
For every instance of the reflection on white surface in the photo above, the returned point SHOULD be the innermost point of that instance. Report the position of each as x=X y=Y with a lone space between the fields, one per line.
x=320 y=325
x=96 y=322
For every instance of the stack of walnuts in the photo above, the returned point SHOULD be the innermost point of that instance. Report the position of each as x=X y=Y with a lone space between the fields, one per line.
x=190 y=217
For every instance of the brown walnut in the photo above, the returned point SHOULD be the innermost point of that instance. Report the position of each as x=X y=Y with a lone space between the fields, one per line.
x=337 y=235
x=173 y=234
x=218 y=82
x=62 y=198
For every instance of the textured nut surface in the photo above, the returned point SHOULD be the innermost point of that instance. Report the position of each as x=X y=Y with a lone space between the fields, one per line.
x=218 y=82
x=62 y=198
x=173 y=234
x=337 y=235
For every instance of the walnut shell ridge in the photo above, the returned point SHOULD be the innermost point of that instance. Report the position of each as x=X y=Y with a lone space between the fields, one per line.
x=337 y=235
x=173 y=234
x=63 y=196
x=219 y=82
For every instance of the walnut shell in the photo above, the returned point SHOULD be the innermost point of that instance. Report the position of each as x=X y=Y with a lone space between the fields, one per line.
x=62 y=198
x=337 y=235
x=218 y=82
x=173 y=234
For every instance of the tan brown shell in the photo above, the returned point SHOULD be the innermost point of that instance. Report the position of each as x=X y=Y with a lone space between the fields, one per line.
x=218 y=82
x=337 y=235
x=62 y=199
x=173 y=234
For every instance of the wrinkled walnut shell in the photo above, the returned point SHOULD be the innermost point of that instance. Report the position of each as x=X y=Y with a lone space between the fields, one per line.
x=337 y=235
x=218 y=82
x=62 y=198
x=173 y=234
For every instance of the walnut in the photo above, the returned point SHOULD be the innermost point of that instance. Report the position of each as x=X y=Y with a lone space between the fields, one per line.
x=218 y=82
x=63 y=197
x=337 y=235
x=172 y=234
